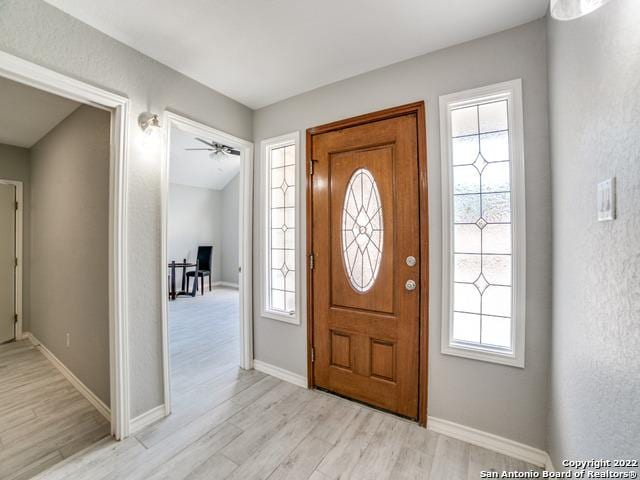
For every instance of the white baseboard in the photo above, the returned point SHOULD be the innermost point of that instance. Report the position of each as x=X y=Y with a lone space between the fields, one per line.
x=280 y=373
x=75 y=381
x=226 y=284
x=490 y=441
x=486 y=440
x=549 y=464
x=146 y=419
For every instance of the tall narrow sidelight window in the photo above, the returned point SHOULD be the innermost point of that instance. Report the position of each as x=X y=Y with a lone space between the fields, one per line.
x=280 y=239
x=483 y=224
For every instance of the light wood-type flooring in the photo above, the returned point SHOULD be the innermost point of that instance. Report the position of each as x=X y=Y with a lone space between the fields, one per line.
x=233 y=424
x=43 y=418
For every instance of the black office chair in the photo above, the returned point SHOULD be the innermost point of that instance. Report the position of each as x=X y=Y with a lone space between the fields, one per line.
x=203 y=269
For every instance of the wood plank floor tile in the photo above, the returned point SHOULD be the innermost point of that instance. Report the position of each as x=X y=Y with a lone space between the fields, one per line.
x=342 y=459
x=43 y=419
x=232 y=424
x=304 y=459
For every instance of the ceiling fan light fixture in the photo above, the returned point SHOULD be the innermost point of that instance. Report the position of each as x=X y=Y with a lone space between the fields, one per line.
x=217 y=150
x=572 y=9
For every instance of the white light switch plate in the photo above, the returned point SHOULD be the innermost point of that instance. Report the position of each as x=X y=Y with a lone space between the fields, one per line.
x=607 y=200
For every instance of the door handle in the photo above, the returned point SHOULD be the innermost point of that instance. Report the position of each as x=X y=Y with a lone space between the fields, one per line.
x=410 y=285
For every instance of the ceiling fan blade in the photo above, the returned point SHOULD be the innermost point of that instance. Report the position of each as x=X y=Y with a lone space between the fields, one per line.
x=235 y=152
x=207 y=149
x=206 y=143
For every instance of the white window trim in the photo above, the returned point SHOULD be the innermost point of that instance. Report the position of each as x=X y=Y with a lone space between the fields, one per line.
x=265 y=146
x=512 y=91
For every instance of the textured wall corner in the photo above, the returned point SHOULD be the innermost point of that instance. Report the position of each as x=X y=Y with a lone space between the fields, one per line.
x=594 y=79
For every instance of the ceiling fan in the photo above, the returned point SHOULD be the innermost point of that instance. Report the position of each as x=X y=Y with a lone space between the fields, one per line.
x=216 y=148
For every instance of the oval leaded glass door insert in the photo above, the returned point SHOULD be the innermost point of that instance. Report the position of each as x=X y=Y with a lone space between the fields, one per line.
x=362 y=230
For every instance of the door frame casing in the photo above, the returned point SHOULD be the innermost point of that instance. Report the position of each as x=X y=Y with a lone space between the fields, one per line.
x=171 y=119
x=418 y=109
x=42 y=78
x=18 y=235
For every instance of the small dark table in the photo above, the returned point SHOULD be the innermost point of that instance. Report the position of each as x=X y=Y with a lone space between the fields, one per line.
x=184 y=265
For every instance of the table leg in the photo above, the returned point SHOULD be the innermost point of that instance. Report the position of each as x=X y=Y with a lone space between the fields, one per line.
x=184 y=274
x=173 y=280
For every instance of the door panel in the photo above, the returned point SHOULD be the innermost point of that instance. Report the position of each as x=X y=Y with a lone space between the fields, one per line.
x=7 y=261
x=341 y=350
x=365 y=223
x=379 y=163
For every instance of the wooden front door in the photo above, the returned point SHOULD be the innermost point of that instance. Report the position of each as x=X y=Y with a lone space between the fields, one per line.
x=365 y=230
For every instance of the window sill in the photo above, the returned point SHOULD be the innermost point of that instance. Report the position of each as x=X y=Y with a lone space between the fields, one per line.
x=281 y=317
x=483 y=355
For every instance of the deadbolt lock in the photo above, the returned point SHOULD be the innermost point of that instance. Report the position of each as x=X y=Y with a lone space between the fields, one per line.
x=411 y=261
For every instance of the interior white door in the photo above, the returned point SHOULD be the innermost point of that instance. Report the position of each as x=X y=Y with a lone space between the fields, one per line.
x=7 y=261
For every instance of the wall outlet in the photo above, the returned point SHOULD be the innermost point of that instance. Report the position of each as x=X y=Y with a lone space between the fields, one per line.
x=607 y=200
x=68 y=340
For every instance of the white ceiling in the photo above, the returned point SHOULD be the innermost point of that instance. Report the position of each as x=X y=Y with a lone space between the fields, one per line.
x=262 y=51
x=198 y=169
x=28 y=114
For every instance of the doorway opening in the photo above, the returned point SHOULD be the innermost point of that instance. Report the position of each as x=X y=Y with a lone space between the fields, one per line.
x=47 y=81
x=206 y=269
x=57 y=288
x=367 y=237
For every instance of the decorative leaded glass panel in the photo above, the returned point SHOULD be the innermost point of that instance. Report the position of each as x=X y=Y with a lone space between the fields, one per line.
x=467 y=267
x=464 y=122
x=496 y=207
x=493 y=117
x=466 y=327
x=496 y=331
x=466 y=208
x=465 y=150
x=496 y=177
x=481 y=188
x=282 y=229
x=495 y=146
x=362 y=230
x=467 y=179
x=467 y=239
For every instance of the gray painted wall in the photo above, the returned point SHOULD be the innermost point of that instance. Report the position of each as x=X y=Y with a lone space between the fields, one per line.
x=14 y=165
x=70 y=245
x=38 y=32
x=230 y=230
x=507 y=401
x=594 y=79
x=202 y=216
x=195 y=218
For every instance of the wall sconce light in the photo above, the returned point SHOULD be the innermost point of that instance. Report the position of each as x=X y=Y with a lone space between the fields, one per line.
x=572 y=9
x=148 y=122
